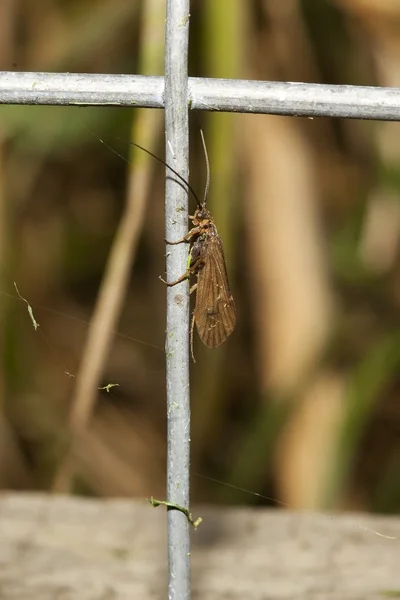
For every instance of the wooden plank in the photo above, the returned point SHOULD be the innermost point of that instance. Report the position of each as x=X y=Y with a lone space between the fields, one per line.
x=65 y=548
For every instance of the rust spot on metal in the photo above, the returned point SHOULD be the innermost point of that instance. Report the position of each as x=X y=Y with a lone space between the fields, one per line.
x=178 y=299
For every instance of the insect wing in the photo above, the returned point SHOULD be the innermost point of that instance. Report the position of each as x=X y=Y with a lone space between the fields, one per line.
x=215 y=312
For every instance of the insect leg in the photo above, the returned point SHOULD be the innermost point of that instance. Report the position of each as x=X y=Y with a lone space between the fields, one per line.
x=191 y=337
x=185 y=238
x=190 y=270
x=182 y=278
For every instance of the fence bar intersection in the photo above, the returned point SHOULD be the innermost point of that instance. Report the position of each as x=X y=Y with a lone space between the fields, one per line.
x=230 y=95
x=177 y=333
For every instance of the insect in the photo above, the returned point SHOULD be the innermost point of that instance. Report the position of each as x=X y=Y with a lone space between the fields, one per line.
x=214 y=313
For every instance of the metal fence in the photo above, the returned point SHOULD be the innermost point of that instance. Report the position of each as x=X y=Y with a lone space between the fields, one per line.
x=177 y=93
x=229 y=95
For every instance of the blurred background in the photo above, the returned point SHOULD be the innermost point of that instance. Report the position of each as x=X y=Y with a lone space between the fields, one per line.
x=301 y=404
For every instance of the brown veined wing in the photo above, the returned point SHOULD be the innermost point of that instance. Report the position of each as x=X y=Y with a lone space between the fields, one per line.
x=215 y=312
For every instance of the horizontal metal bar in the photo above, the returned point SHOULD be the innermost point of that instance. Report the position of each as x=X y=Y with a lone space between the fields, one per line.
x=296 y=99
x=229 y=95
x=81 y=89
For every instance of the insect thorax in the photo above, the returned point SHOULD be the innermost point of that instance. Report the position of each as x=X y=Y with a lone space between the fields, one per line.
x=202 y=214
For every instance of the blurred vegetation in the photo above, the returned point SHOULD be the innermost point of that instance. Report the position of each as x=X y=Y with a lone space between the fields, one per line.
x=302 y=402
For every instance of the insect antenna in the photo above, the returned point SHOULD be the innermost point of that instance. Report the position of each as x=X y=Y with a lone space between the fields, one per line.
x=208 y=169
x=160 y=160
x=195 y=196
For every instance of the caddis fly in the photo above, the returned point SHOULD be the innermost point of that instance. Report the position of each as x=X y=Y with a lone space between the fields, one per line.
x=214 y=312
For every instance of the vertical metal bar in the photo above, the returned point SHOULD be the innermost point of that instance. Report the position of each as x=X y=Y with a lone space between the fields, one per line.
x=177 y=334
